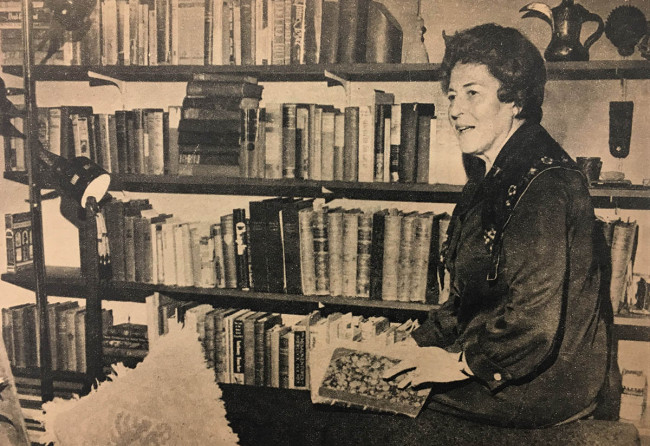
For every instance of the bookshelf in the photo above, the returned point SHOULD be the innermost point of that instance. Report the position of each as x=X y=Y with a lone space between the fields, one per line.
x=71 y=282
x=590 y=70
x=624 y=197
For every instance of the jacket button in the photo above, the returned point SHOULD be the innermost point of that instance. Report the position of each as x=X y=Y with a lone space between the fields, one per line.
x=497 y=376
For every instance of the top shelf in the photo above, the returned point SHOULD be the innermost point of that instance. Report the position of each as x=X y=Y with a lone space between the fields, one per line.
x=592 y=70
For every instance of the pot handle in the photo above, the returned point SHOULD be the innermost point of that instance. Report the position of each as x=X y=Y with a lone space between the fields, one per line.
x=591 y=17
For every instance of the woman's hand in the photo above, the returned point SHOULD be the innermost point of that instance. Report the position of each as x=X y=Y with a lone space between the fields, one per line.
x=428 y=365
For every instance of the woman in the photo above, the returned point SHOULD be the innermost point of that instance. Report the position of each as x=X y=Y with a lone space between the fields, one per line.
x=523 y=339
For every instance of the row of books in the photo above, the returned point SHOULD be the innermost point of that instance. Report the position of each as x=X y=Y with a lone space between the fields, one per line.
x=260 y=348
x=67 y=335
x=282 y=246
x=219 y=32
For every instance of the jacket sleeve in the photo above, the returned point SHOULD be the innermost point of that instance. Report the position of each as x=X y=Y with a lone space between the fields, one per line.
x=516 y=339
x=440 y=327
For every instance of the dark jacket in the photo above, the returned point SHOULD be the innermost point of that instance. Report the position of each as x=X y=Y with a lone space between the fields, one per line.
x=525 y=305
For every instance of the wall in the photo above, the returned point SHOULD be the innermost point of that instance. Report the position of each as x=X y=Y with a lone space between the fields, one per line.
x=575 y=113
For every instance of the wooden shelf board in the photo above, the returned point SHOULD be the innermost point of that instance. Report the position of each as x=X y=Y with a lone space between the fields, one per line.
x=633 y=197
x=67 y=282
x=591 y=70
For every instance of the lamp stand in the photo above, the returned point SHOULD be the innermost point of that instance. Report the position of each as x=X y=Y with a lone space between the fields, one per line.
x=32 y=162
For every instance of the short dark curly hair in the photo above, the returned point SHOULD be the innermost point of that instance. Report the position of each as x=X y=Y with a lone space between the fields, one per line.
x=509 y=56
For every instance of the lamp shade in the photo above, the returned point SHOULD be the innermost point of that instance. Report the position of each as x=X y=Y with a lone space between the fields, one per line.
x=77 y=178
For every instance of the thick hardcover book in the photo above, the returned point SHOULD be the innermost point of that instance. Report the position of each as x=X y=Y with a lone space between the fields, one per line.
x=321 y=251
x=273 y=141
x=291 y=248
x=297 y=31
x=249 y=346
x=216 y=103
x=353 y=23
x=8 y=335
x=80 y=339
x=350 y=255
x=274 y=244
x=249 y=139
x=283 y=360
x=289 y=140
x=383 y=105
x=262 y=325
x=315 y=141
x=384 y=43
x=307 y=264
x=377 y=254
x=230 y=263
x=426 y=121
x=329 y=32
x=208 y=340
x=219 y=265
x=91 y=42
x=277 y=45
x=227 y=89
x=241 y=248
x=211 y=115
x=191 y=35
x=327 y=144
x=170 y=122
x=421 y=247
x=230 y=139
x=224 y=77
x=67 y=136
x=140 y=155
x=409 y=140
x=302 y=141
x=238 y=357
x=129 y=247
x=351 y=145
x=220 y=126
x=339 y=145
x=114 y=215
x=20 y=337
x=258 y=245
x=363 y=254
x=247 y=32
x=392 y=236
x=406 y=247
x=312 y=31
x=335 y=250
x=122 y=141
x=221 y=345
x=395 y=142
x=154 y=141
x=366 y=149
x=278 y=356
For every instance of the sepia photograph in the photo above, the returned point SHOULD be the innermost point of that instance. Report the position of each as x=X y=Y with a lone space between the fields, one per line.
x=325 y=222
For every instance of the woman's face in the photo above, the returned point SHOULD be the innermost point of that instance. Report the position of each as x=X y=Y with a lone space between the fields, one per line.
x=481 y=122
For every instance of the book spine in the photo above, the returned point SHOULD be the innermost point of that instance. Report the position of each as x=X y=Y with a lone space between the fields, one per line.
x=336 y=247
x=339 y=146
x=249 y=349
x=404 y=270
x=366 y=144
x=288 y=30
x=380 y=131
x=363 y=254
x=297 y=31
x=300 y=359
x=307 y=265
x=238 y=351
x=350 y=255
x=259 y=245
x=219 y=265
x=8 y=337
x=224 y=89
x=230 y=262
x=392 y=236
x=283 y=359
x=302 y=142
x=408 y=148
x=395 y=142
x=241 y=248
x=289 y=140
x=274 y=243
x=291 y=249
x=353 y=18
x=129 y=248
x=327 y=146
x=377 y=255
x=277 y=53
x=351 y=145
x=321 y=251
x=247 y=32
x=421 y=246
x=273 y=141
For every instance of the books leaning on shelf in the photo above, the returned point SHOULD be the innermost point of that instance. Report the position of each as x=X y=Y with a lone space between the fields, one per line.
x=270 y=349
x=283 y=245
x=215 y=32
x=67 y=334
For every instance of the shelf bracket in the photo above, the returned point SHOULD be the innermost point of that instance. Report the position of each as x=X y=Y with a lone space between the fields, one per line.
x=336 y=80
x=98 y=79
